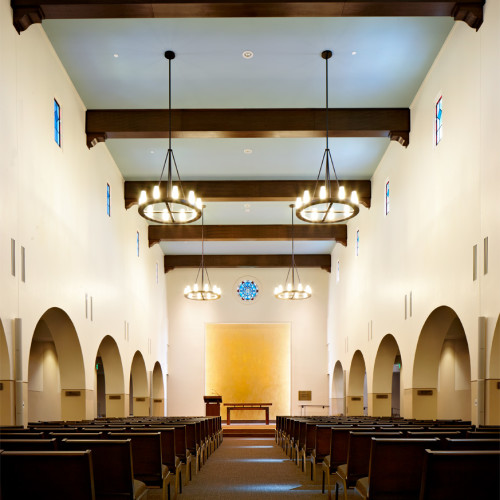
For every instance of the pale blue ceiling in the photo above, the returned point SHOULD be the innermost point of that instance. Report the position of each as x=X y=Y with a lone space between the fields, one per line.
x=393 y=55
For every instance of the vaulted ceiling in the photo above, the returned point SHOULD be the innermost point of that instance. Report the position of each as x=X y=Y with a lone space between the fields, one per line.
x=248 y=133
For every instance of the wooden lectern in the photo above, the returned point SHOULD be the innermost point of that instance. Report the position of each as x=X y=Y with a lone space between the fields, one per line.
x=212 y=405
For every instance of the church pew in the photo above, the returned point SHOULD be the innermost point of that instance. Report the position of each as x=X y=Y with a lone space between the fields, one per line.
x=395 y=468
x=112 y=462
x=24 y=435
x=357 y=457
x=46 y=475
x=59 y=436
x=471 y=444
x=321 y=448
x=146 y=459
x=451 y=475
x=28 y=444
x=483 y=435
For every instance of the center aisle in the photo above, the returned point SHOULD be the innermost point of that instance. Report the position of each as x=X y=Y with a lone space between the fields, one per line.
x=248 y=468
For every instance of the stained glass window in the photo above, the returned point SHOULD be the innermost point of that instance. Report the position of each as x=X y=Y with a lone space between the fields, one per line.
x=108 y=200
x=247 y=290
x=338 y=271
x=57 y=123
x=137 y=243
x=439 y=120
x=387 y=206
x=357 y=242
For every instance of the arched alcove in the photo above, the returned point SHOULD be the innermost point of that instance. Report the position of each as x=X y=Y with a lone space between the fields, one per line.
x=139 y=396
x=110 y=390
x=356 y=399
x=441 y=369
x=493 y=380
x=56 y=374
x=337 y=403
x=384 y=399
x=7 y=390
x=158 y=391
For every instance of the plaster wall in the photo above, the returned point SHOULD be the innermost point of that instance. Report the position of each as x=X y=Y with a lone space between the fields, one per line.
x=307 y=319
x=442 y=203
x=53 y=203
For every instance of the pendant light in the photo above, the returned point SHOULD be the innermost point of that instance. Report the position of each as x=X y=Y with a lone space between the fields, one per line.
x=202 y=288
x=293 y=288
x=167 y=203
x=327 y=204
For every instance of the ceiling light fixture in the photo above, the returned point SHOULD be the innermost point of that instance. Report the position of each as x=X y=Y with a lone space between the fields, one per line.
x=202 y=289
x=324 y=206
x=168 y=205
x=247 y=54
x=293 y=288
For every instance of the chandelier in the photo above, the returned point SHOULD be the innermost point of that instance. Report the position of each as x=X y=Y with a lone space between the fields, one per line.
x=326 y=205
x=167 y=203
x=202 y=288
x=293 y=289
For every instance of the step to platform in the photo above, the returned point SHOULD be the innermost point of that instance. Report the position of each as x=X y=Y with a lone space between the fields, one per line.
x=242 y=432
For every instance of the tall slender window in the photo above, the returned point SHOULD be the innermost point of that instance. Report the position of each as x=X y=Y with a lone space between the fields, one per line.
x=338 y=271
x=57 y=123
x=439 y=121
x=357 y=242
x=108 y=200
x=137 y=243
x=387 y=204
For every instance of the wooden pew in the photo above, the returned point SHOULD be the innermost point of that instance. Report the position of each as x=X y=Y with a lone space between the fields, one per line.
x=46 y=475
x=321 y=448
x=146 y=459
x=28 y=444
x=471 y=444
x=24 y=435
x=452 y=475
x=395 y=468
x=358 y=459
x=112 y=461
x=59 y=436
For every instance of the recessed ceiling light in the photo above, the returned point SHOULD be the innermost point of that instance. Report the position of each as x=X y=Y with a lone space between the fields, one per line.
x=247 y=54
x=116 y=55
x=248 y=151
x=353 y=52
x=152 y=152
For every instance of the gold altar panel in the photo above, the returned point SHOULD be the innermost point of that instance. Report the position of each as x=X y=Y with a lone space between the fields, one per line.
x=249 y=363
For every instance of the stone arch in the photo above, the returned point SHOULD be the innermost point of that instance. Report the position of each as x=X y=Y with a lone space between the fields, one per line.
x=7 y=406
x=380 y=400
x=338 y=390
x=441 y=368
x=113 y=398
x=355 y=393
x=158 y=391
x=493 y=380
x=56 y=372
x=139 y=395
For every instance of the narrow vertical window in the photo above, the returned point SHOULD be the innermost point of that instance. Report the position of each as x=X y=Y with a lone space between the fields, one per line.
x=474 y=263
x=23 y=265
x=108 y=200
x=157 y=273
x=357 y=242
x=57 y=123
x=137 y=243
x=13 y=257
x=387 y=203
x=439 y=121
x=338 y=271
x=485 y=255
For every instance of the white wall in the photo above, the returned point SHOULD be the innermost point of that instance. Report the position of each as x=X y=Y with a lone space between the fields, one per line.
x=187 y=320
x=443 y=201
x=53 y=203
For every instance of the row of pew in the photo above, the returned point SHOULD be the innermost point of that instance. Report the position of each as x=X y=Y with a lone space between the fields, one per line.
x=395 y=458
x=105 y=459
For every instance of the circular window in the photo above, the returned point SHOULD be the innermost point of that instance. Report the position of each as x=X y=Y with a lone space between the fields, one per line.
x=247 y=290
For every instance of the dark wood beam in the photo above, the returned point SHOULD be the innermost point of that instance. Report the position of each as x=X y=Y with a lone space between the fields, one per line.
x=322 y=261
x=240 y=123
x=27 y=12
x=248 y=190
x=302 y=232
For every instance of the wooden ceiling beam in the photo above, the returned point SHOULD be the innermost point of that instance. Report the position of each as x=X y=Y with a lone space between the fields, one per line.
x=248 y=232
x=283 y=190
x=242 y=123
x=27 y=12
x=322 y=261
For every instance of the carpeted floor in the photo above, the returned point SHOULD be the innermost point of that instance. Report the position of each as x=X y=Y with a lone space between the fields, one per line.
x=250 y=468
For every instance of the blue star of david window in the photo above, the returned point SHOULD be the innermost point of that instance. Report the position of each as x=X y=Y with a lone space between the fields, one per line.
x=247 y=290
